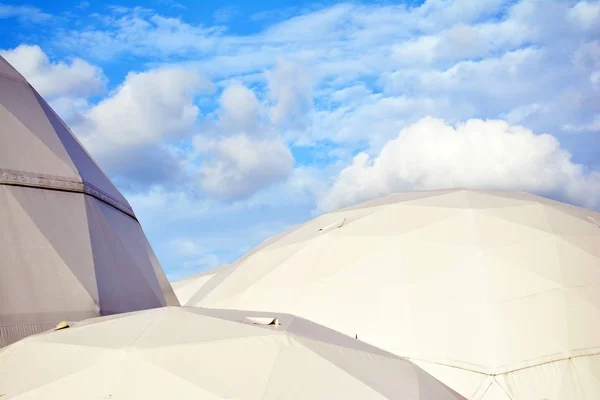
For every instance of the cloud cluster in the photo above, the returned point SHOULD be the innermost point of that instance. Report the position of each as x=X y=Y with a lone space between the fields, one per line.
x=461 y=59
x=146 y=108
x=240 y=165
x=290 y=88
x=130 y=131
x=492 y=154
x=142 y=132
x=74 y=78
x=245 y=152
x=294 y=103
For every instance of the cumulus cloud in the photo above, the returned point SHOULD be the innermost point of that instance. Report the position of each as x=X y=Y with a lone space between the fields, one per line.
x=240 y=165
x=129 y=132
x=354 y=75
x=145 y=108
x=245 y=153
x=493 y=154
x=586 y=15
x=239 y=110
x=73 y=78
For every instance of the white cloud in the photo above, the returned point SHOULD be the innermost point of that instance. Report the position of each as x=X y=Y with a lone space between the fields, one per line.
x=240 y=109
x=142 y=32
x=444 y=13
x=239 y=165
x=290 y=88
x=129 y=131
x=24 y=13
x=421 y=50
x=353 y=77
x=586 y=15
x=351 y=94
x=245 y=152
x=595 y=78
x=73 y=78
x=145 y=108
x=587 y=56
x=593 y=126
x=225 y=14
x=462 y=41
x=477 y=154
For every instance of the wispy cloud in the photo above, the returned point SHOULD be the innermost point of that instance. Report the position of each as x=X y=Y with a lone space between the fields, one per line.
x=225 y=14
x=24 y=13
x=82 y=5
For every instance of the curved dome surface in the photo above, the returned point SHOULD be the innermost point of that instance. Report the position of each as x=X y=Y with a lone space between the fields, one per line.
x=497 y=294
x=70 y=244
x=185 y=288
x=199 y=354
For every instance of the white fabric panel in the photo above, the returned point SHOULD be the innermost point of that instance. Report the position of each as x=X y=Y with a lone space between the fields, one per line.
x=201 y=354
x=86 y=166
x=22 y=141
x=483 y=281
x=186 y=288
x=20 y=102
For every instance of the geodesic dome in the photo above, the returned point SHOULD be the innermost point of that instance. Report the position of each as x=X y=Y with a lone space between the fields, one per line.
x=70 y=244
x=191 y=353
x=497 y=294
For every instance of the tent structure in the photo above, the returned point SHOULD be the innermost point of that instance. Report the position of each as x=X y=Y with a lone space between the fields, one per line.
x=70 y=245
x=497 y=294
x=185 y=288
x=192 y=353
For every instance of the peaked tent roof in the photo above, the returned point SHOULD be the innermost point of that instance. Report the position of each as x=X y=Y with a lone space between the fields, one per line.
x=71 y=247
x=495 y=293
x=192 y=353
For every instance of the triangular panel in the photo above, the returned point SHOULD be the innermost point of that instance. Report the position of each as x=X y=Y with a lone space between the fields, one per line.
x=121 y=286
x=19 y=100
x=88 y=169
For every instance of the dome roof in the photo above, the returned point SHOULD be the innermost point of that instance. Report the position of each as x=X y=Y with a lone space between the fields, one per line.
x=495 y=293
x=192 y=353
x=185 y=288
x=70 y=244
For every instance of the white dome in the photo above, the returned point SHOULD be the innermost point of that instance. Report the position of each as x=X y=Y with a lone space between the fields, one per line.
x=495 y=293
x=185 y=288
x=198 y=354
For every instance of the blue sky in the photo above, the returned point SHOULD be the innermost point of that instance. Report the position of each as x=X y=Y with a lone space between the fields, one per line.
x=226 y=123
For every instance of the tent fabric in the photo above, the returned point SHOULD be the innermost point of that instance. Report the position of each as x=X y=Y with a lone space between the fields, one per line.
x=55 y=158
x=193 y=353
x=472 y=285
x=70 y=244
x=185 y=288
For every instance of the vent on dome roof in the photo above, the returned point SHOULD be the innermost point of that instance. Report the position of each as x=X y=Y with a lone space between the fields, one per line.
x=264 y=320
x=594 y=221
x=335 y=225
x=62 y=325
